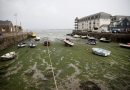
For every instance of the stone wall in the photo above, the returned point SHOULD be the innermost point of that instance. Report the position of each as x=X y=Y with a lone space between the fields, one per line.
x=6 y=41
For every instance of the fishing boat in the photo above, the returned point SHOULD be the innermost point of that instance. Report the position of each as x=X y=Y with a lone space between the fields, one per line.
x=92 y=41
x=124 y=45
x=32 y=44
x=68 y=42
x=22 y=44
x=37 y=39
x=104 y=40
x=46 y=43
x=8 y=56
x=101 y=52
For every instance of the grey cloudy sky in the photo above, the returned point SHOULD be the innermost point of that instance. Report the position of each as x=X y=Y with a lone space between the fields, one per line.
x=57 y=14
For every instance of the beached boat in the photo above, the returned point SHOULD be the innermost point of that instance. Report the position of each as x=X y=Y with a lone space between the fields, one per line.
x=76 y=36
x=33 y=35
x=104 y=40
x=8 y=56
x=124 y=45
x=84 y=37
x=46 y=43
x=32 y=44
x=37 y=39
x=68 y=42
x=91 y=41
x=101 y=52
x=22 y=44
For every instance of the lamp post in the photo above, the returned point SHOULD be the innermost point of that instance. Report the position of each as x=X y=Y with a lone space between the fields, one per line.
x=16 y=21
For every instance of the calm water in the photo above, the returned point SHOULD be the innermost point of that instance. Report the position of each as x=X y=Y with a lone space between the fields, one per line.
x=52 y=34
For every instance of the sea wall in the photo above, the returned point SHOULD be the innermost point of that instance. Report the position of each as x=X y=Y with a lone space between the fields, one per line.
x=115 y=37
x=10 y=39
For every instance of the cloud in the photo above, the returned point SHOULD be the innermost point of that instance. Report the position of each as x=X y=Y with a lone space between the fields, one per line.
x=46 y=14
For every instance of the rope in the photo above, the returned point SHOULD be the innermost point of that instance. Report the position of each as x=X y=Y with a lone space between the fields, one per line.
x=52 y=69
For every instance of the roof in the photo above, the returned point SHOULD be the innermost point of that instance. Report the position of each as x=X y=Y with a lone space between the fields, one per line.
x=121 y=17
x=5 y=22
x=101 y=15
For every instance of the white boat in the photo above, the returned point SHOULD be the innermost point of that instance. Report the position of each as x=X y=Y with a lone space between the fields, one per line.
x=22 y=44
x=76 y=36
x=101 y=52
x=68 y=42
x=83 y=37
x=104 y=40
x=124 y=45
x=8 y=56
x=37 y=39
x=32 y=44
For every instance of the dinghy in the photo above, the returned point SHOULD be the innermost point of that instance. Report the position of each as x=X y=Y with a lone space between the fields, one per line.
x=92 y=41
x=124 y=45
x=8 y=56
x=68 y=42
x=32 y=44
x=101 y=52
x=104 y=40
x=37 y=39
x=46 y=43
x=22 y=44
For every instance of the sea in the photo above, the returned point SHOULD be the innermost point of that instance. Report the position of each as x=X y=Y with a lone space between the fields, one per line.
x=52 y=34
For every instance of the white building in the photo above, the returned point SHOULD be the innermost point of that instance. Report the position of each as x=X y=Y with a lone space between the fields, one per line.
x=93 y=22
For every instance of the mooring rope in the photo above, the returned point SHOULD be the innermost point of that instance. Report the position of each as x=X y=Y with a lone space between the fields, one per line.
x=52 y=68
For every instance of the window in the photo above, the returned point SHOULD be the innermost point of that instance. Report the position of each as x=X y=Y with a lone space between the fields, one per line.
x=128 y=23
x=122 y=24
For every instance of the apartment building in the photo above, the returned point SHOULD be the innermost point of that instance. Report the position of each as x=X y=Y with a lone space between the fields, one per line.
x=93 y=22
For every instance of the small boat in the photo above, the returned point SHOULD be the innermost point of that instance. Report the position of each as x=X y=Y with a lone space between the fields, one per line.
x=8 y=56
x=33 y=35
x=37 y=39
x=124 y=45
x=22 y=44
x=46 y=43
x=68 y=42
x=104 y=40
x=101 y=52
x=92 y=41
x=84 y=37
x=32 y=44
x=76 y=36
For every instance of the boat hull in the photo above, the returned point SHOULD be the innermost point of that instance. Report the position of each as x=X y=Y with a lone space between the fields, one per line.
x=101 y=52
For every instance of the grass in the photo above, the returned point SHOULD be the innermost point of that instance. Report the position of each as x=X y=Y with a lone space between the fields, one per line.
x=72 y=65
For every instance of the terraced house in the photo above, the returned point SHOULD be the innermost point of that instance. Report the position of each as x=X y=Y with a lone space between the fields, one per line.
x=93 y=22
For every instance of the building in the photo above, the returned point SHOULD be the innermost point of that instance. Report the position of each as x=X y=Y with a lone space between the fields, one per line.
x=93 y=22
x=120 y=23
x=6 y=26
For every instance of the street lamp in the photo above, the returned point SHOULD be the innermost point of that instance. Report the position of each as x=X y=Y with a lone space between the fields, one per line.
x=16 y=20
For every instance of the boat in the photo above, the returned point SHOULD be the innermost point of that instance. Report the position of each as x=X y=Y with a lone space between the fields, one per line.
x=92 y=41
x=84 y=37
x=68 y=42
x=32 y=44
x=37 y=39
x=22 y=44
x=46 y=43
x=101 y=52
x=76 y=36
x=8 y=56
x=33 y=35
x=104 y=40
x=124 y=45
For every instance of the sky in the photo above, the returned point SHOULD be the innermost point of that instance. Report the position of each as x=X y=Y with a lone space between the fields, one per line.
x=57 y=14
